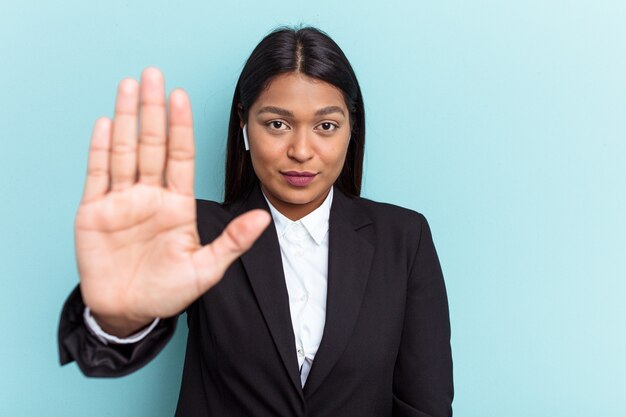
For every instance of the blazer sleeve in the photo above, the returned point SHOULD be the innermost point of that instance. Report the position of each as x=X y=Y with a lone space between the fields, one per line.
x=96 y=359
x=422 y=385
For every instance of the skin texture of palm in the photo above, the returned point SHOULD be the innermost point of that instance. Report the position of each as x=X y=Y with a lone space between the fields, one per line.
x=138 y=251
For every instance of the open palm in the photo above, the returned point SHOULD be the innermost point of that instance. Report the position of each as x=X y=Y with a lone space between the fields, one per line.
x=138 y=250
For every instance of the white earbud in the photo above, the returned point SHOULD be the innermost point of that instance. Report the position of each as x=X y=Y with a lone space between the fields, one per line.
x=246 y=143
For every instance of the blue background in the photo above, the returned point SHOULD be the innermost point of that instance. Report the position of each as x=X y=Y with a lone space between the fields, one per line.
x=502 y=122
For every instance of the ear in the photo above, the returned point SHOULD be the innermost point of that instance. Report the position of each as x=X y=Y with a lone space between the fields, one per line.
x=240 y=112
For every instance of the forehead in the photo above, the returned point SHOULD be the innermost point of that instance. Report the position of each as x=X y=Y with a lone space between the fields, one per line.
x=296 y=91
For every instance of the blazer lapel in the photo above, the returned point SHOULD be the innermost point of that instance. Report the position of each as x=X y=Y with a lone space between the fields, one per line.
x=263 y=264
x=349 y=260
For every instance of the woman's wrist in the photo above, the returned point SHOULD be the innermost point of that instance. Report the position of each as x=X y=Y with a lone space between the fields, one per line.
x=121 y=327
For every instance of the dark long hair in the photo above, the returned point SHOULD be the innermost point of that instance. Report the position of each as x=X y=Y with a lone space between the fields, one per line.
x=308 y=51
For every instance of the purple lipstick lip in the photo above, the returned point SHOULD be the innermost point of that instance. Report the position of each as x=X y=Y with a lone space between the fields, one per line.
x=299 y=174
x=299 y=179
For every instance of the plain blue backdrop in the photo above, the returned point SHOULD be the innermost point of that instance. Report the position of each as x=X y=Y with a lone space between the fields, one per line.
x=503 y=122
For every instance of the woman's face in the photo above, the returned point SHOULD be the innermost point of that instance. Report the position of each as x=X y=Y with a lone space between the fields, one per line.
x=299 y=130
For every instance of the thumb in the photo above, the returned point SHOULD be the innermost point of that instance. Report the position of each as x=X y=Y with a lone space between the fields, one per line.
x=212 y=260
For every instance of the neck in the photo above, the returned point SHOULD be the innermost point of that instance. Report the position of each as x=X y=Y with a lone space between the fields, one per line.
x=294 y=211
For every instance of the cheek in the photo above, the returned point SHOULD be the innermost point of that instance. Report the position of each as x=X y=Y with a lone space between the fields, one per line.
x=335 y=155
x=265 y=158
x=259 y=164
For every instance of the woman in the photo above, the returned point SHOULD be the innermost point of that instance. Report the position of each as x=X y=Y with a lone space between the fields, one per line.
x=338 y=308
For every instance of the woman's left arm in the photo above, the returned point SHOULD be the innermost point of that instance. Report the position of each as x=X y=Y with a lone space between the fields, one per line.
x=422 y=385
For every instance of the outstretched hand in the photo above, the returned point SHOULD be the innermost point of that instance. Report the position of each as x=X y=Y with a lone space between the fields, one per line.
x=137 y=246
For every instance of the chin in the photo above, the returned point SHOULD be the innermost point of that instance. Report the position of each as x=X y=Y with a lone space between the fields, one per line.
x=296 y=195
x=290 y=198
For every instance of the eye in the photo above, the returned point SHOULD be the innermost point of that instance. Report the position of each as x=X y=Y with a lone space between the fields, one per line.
x=328 y=126
x=276 y=125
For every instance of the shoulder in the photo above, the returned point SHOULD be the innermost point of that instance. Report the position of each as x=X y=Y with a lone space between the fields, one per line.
x=212 y=211
x=399 y=229
x=212 y=218
x=390 y=215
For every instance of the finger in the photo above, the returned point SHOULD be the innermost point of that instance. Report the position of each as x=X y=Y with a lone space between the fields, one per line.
x=97 y=183
x=124 y=142
x=180 y=151
x=212 y=260
x=152 y=127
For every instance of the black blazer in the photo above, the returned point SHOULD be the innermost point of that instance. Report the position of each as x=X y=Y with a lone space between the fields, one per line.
x=385 y=349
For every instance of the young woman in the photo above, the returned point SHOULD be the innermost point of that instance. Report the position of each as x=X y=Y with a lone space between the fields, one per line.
x=338 y=308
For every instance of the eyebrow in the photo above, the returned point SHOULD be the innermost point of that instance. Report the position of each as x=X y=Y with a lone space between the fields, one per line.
x=286 y=113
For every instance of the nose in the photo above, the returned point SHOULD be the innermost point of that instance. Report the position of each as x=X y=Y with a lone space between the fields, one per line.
x=300 y=148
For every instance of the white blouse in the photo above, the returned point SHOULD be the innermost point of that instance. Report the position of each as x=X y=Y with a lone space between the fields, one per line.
x=304 y=251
